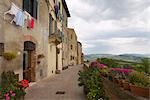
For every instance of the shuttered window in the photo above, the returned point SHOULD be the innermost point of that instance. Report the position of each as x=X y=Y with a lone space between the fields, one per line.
x=31 y=6
x=50 y=24
x=1 y=49
x=55 y=26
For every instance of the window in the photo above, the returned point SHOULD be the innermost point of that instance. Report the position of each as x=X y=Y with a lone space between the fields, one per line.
x=55 y=26
x=71 y=36
x=52 y=25
x=71 y=47
x=31 y=6
x=59 y=5
x=1 y=49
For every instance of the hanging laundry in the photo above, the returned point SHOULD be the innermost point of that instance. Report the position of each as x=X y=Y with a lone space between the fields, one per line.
x=31 y=23
x=19 y=18
x=27 y=16
x=13 y=11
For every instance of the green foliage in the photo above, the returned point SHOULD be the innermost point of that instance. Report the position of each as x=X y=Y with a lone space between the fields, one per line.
x=104 y=70
x=92 y=83
x=9 y=55
x=146 y=65
x=139 y=79
x=9 y=78
x=10 y=83
x=109 y=62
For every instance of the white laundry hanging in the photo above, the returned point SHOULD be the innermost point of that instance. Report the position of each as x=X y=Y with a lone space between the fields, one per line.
x=13 y=10
x=27 y=16
x=19 y=18
x=19 y=15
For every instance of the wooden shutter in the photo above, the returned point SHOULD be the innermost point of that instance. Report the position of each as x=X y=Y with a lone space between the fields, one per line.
x=1 y=49
x=26 y=5
x=50 y=24
x=55 y=27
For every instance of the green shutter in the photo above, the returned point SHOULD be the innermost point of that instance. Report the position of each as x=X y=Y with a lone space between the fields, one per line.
x=26 y=5
x=35 y=8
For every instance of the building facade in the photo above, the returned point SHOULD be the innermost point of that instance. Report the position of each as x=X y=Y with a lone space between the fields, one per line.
x=72 y=39
x=79 y=53
x=37 y=33
x=26 y=35
x=66 y=15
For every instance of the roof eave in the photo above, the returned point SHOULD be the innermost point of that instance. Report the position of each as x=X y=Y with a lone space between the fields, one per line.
x=66 y=8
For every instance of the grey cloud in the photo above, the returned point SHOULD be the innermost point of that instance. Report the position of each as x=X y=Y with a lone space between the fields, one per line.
x=114 y=9
x=104 y=10
x=119 y=34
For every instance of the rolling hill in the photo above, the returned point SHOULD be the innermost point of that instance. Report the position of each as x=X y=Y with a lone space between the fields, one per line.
x=125 y=57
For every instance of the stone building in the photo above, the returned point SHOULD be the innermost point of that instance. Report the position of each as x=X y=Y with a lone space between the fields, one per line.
x=37 y=32
x=72 y=37
x=27 y=37
x=61 y=23
x=79 y=53
x=54 y=38
x=65 y=56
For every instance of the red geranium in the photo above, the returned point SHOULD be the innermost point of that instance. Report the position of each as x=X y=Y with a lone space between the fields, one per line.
x=24 y=83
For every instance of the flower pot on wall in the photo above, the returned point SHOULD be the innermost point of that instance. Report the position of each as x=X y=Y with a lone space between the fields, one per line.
x=40 y=56
x=140 y=91
x=120 y=83
x=9 y=56
x=126 y=85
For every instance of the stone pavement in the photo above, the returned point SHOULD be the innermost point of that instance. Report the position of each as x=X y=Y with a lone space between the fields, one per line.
x=66 y=81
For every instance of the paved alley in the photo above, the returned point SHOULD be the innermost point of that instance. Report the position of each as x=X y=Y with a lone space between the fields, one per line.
x=66 y=81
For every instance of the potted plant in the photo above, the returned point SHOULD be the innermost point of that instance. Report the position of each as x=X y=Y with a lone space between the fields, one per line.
x=120 y=74
x=140 y=84
x=125 y=85
x=11 y=88
x=91 y=81
x=40 y=56
x=9 y=55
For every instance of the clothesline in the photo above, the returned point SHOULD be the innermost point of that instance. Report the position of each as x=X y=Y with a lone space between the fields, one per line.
x=20 y=16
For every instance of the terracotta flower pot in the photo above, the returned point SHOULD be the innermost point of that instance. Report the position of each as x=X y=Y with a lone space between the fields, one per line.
x=140 y=91
x=120 y=83
x=126 y=85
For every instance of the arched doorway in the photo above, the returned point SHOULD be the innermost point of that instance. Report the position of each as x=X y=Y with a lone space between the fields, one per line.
x=29 y=61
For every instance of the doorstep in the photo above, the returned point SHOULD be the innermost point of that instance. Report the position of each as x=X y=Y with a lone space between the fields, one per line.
x=32 y=83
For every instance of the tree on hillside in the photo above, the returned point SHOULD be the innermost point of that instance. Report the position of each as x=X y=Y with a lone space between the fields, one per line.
x=146 y=64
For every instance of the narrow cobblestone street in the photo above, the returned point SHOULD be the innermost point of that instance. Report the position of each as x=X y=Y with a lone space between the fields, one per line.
x=66 y=81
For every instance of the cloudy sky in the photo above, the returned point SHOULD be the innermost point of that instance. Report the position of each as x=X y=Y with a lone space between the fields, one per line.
x=111 y=26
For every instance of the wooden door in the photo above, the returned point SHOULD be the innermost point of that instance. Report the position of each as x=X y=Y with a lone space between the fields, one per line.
x=29 y=62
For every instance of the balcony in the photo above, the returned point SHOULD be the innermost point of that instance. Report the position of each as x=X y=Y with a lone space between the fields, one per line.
x=55 y=38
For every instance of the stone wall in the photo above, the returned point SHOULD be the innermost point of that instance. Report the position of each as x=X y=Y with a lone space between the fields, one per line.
x=13 y=37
